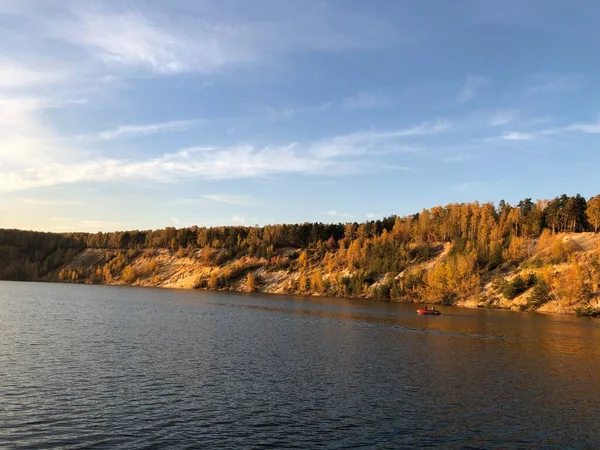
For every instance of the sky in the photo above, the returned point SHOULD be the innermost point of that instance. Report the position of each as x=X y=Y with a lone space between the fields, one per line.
x=148 y=114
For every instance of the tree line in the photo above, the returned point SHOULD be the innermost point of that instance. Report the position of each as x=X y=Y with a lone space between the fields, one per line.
x=481 y=238
x=438 y=224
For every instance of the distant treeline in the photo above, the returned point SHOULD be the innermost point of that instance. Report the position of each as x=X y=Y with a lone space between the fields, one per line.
x=31 y=255
x=484 y=236
x=438 y=224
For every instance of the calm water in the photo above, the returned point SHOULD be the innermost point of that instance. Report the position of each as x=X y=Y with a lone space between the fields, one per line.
x=110 y=367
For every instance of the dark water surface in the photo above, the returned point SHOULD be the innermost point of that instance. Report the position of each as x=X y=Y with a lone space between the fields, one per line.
x=110 y=367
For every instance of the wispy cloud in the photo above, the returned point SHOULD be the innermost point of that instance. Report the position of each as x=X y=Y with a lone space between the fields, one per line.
x=367 y=141
x=130 y=39
x=132 y=131
x=25 y=137
x=243 y=220
x=503 y=117
x=333 y=156
x=374 y=215
x=472 y=85
x=591 y=128
x=518 y=136
x=229 y=199
x=547 y=83
x=334 y=213
x=457 y=158
x=224 y=163
x=558 y=131
x=15 y=75
x=208 y=38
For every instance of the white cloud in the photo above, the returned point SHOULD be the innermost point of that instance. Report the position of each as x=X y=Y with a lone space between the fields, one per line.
x=25 y=138
x=15 y=75
x=518 y=136
x=592 y=128
x=334 y=213
x=472 y=85
x=241 y=161
x=208 y=37
x=503 y=117
x=368 y=141
x=93 y=44
x=547 y=83
x=229 y=199
x=224 y=163
x=130 y=39
x=560 y=131
x=374 y=215
x=132 y=131
x=243 y=220
x=175 y=221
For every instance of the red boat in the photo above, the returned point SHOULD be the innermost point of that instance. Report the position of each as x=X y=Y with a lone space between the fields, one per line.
x=429 y=312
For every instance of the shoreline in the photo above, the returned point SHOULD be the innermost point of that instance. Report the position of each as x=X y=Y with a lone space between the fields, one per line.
x=466 y=304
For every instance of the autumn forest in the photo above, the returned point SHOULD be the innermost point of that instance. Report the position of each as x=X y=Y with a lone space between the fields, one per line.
x=542 y=255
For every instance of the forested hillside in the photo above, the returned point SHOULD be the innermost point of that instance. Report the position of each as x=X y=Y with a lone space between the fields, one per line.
x=30 y=256
x=542 y=255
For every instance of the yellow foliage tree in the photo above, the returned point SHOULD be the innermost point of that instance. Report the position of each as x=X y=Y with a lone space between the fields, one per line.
x=316 y=283
x=303 y=259
x=214 y=280
x=129 y=274
x=545 y=240
x=151 y=267
x=353 y=254
x=517 y=249
x=593 y=212
x=453 y=279
x=303 y=284
x=251 y=282
x=207 y=254
x=572 y=285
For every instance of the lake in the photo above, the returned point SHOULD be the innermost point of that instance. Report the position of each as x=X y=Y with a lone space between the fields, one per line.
x=119 y=367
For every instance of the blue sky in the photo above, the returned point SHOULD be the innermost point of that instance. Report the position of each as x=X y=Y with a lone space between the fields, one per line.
x=146 y=114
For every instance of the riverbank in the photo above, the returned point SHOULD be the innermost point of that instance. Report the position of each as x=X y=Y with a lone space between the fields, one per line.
x=544 y=281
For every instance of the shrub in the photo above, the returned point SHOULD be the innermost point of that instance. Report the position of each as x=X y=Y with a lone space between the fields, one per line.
x=201 y=282
x=540 y=294
x=518 y=286
x=587 y=311
x=382 y=292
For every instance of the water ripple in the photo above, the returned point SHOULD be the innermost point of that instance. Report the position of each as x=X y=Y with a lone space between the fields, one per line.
x=92 y=367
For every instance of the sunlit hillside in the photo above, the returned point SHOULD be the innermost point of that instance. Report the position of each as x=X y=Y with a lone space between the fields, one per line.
x=542 y=256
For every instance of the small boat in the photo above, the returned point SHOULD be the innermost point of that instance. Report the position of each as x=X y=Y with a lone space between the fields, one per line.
x=428 y=312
